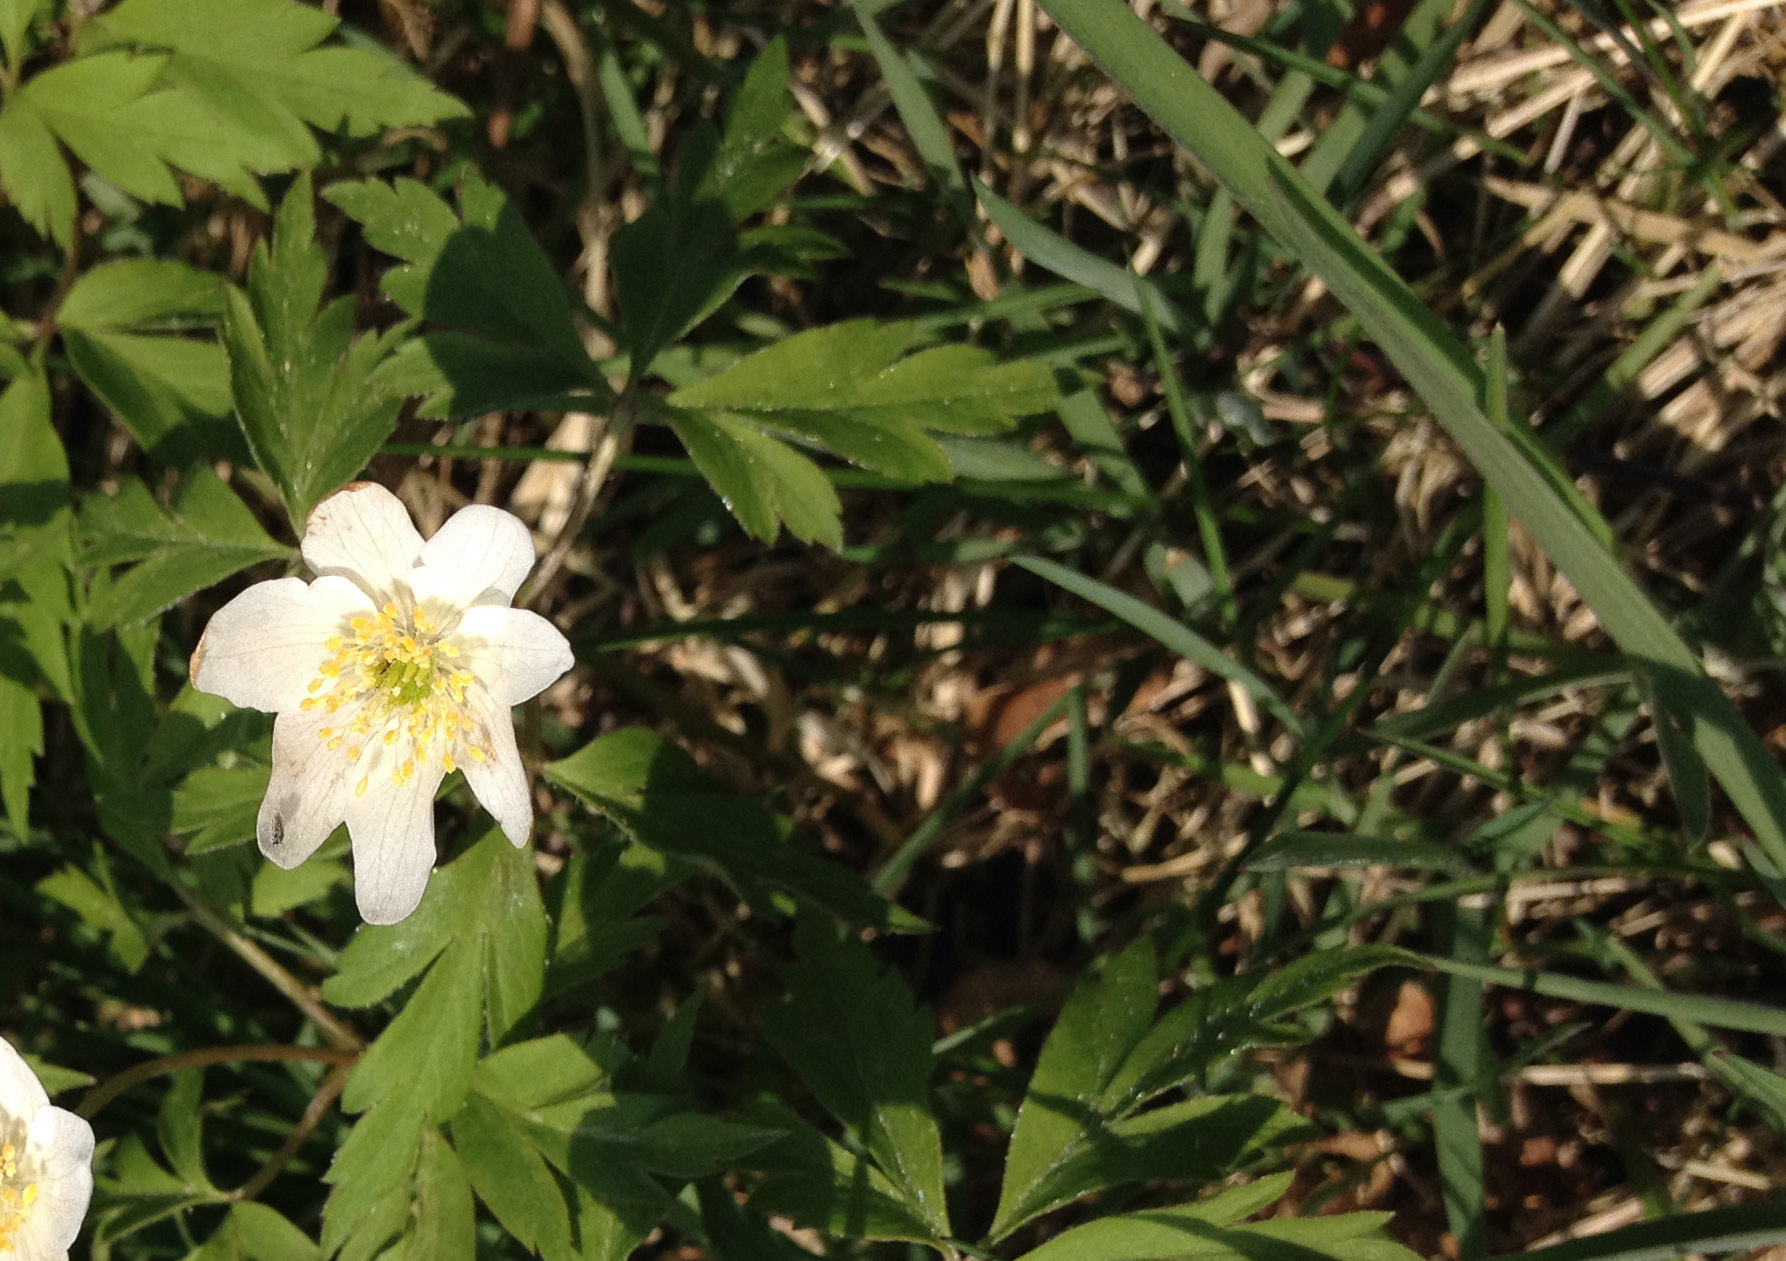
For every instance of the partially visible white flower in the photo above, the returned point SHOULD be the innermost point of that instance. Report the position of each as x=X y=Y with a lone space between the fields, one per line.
x=395 y=667
x=46 y=1167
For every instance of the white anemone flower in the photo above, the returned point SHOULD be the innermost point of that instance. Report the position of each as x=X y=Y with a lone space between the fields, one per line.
x=46 y=1167
x=395 y=667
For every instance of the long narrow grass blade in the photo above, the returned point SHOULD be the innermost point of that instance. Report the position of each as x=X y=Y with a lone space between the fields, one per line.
x=1460 y=1061
x=1726 y=1013
x=1173 y=634
x=1046 y=248
x=1713 y=1231
x=1209 y=528
x=922 y=123
x=1439 y=368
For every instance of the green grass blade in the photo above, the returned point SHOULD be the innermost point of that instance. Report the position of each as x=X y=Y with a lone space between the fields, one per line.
x=1726 y=1013
x=1496 y=563
x=1636 y=357
x=1209 y=528
x=1409 y=87
x=1350 y=143
x=922 y=122
x=1432 y=359
x=1749 y=1226
x=1046 y=248
x=1460 y=1060
x=1171 y=633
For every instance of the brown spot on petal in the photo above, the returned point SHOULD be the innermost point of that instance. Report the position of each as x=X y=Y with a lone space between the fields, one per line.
x=198 y=657
x=339 y=490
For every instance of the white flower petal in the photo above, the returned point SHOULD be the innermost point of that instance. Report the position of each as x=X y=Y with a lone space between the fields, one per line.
x=392 y=827
x=500 y=780
x=308 y=794
x=515 y=653
x=363 y=532
x=59 y=1157
x=480 y=556
x=21 y=1094
x=262 y=648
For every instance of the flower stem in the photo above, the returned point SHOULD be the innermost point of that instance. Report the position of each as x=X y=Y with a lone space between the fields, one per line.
x=320 y=1103
x=334 y=1030
x=112 y=1087
x=609 y=439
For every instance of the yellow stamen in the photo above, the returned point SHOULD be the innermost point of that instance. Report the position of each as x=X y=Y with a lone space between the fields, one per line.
x=392 y=676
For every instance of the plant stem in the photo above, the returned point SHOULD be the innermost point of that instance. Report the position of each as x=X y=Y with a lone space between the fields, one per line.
x=112 y=1087
x=320 y=1103
x=608 y=440
x=333 y=1029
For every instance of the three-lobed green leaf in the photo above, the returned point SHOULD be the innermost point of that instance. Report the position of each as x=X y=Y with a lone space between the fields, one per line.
x=300 y=379
x=1101 y=1023
x=207 y=535
x=858 y=390
x=1081 y=1128
x=655 y=793
x=499 y=329
x=481 y=935
x=863 y=1049
x=222 y=92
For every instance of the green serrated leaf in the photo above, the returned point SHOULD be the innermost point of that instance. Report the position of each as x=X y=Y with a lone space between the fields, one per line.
x=825 y=1186
x=404 y=218
x=91 y=104
x=1098 y=1028
x=171 y=393
x=209 y=535
x=382 y=958
x=1191 y=1234
x=215 y=808
x=371 y=1178
x=99 y=908
x=484 y=904
x=512 y=1178
x=605 y=1234
x=276 y=889
x=121 y=294
x=505 y=337
x=656 y=793
x=672 y=266
x=426 y=1055
x=254 y=1232
x=761 y=481
x=514 y=930
x=33 y=479
x=1222 y=1019
x=754 y=162
x=149 y=1194
x=540 y=1073
x=33 y=172
x=271 y=48
x=859 y=1044
x=445 y=1218
x=1196 y=1140
x=596 y=909
x=179 y=1129
x=21 y=738
x=852 y=389
x=299 y=377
